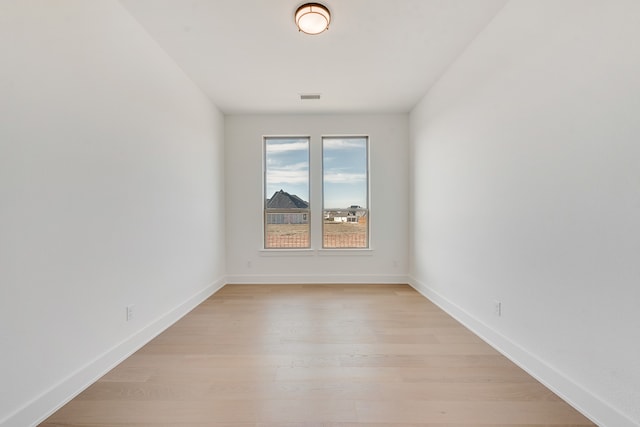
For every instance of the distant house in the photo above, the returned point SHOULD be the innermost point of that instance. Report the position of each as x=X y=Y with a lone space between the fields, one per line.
x=280 y=202
x=353 y=214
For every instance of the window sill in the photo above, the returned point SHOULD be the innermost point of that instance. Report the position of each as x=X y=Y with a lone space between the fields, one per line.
x=313 y=252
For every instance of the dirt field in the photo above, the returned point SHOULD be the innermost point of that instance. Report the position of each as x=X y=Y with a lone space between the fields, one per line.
x=287 y=236
x=345 y=235
x=336 y=235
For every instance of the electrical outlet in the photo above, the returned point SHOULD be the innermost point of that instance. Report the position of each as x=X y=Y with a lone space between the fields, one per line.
x=497 y=308
x=130 y=312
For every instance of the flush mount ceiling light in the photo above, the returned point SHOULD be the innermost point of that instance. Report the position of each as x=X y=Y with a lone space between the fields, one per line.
x=313 y=18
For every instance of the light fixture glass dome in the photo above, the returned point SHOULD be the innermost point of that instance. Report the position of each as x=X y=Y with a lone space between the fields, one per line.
x=313 y=18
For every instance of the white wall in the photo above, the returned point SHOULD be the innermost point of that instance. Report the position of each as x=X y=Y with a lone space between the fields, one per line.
x=526 y=190
x=386 y=262
x=111 y=193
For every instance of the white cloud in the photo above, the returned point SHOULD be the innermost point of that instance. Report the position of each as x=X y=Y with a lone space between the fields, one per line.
x=287 y=176
x=302 y=166
x=288 y=146
x=342 y=144
x=343 y=177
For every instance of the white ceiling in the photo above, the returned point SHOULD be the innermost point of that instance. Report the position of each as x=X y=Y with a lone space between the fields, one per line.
x=378 y=55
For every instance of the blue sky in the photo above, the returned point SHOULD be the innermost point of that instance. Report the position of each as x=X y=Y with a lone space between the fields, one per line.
x=345 y=172
x=344 y=175
x=287 y=166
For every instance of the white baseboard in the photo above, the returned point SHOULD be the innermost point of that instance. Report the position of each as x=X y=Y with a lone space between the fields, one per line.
x=41 y=407
x=590 y=405
x=271 y=279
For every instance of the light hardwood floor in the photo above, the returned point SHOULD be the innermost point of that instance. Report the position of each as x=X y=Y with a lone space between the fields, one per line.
x=317 y=355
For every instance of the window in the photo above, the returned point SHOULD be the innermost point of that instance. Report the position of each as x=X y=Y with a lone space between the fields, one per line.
x=345 y=184
x=286 y=193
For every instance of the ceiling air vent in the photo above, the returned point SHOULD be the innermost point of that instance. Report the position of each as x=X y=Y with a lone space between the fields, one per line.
x=309 y=96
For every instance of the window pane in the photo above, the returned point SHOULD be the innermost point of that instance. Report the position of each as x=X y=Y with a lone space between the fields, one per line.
x=286 y=193
x=345 y=192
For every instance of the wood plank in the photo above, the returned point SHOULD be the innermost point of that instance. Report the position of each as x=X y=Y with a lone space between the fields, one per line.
x=317 y=356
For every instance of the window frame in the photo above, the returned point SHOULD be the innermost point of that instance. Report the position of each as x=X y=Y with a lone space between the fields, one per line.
x=366 y=210
x=306 y=213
